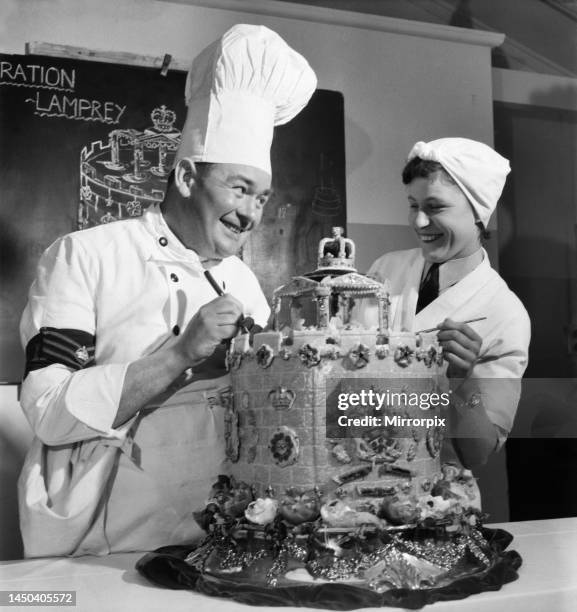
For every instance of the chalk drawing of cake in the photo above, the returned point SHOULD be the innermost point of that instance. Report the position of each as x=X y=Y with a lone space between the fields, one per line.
x=121 y=178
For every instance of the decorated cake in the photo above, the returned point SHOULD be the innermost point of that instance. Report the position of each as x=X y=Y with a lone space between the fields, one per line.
x=297 y=426
x=334 y=478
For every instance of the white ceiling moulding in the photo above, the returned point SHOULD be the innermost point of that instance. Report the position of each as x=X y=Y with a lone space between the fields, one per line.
x=287 y=10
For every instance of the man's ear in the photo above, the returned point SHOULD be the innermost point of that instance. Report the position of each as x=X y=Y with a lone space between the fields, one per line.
x=185 y=176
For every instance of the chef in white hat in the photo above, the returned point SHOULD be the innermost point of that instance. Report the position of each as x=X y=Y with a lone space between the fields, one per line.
x=125 y=386
x=447 y=284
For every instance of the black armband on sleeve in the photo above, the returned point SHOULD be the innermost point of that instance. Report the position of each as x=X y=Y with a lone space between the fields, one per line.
x=73 y=348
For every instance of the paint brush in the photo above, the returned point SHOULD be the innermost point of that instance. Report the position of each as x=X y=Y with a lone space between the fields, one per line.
x=219 y=290
x=432 y=329
x=210 y=278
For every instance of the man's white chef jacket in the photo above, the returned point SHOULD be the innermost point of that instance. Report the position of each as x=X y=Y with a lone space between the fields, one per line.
x=133 y=286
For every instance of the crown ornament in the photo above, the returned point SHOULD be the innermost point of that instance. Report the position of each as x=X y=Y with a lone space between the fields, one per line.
x=337 y=252
x=163 y=119
x=281 y=398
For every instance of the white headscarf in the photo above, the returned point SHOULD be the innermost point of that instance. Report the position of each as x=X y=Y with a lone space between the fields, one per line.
x=479 y=171
x=237 y=90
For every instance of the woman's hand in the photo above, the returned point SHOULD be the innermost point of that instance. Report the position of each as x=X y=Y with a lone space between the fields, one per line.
x=461 y=346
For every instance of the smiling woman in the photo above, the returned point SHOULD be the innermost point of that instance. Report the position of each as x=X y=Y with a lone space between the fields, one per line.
x=440 y=214
x=453 y=185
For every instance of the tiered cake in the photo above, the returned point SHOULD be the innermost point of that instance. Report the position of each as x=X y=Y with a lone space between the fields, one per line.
x=333 y=438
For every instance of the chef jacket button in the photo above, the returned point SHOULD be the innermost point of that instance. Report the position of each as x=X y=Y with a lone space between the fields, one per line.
x=173 y=277
x=163 y=241
x=176 y=330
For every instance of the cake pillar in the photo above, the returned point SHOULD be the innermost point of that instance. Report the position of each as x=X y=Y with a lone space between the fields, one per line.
x=346 y=309
x=383 y=313
x=323 y=306
x=276 y=309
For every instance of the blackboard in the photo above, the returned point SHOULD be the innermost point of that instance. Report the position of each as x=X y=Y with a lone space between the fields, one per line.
x=87 y=142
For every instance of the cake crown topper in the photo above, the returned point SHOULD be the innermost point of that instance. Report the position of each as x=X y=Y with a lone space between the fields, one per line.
x=333 y=286
x=337 y=252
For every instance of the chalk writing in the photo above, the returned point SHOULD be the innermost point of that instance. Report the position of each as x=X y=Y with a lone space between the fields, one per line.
x=61 y=105
x=33 y=75
x=53 y=85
